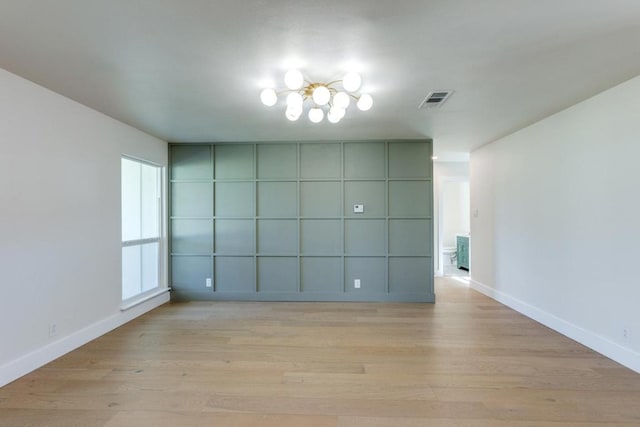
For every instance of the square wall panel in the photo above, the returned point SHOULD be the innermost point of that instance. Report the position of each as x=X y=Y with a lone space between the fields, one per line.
x=277 y=274
x=410 y=237
x=409 y=160
x=364 y=160
x=319 y=236
x=365 y=237
x=192 y=199
x=277 y=236
x=277 y=161
x=320 y=199
x=277 y=199
x=234 y=161
x=410 y=198
x=371 y=272
x=191 y=162
x=192 y=236
x=371 y=194
x=235 y=274
x=321 y=274
x=234 y=236
x=320 y=160
x=411 y=274
x=234 y=199
x=191 y=272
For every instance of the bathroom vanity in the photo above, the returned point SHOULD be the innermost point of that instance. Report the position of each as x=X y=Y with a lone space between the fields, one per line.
x=462 y=251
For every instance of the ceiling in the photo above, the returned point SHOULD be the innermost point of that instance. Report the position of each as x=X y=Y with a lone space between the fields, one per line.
x=192 y=70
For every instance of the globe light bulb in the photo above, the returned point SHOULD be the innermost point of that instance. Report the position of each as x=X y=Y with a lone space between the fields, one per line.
x=268 y=97
x=341 y=100
x=337 y=112
x=332 y=118
x=316 y=115
x=351 y=81
x=365 y=102
x=293 y=113
x=294 y=99
x=321 y=95
x=293 y=79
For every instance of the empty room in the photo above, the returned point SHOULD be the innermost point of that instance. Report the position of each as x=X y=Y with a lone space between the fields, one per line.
x=337 y=213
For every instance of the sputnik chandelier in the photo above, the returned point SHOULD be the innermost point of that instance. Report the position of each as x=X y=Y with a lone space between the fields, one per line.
x=324 y=97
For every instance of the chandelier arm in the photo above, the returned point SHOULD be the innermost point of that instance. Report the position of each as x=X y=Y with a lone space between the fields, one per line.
x=282 y=92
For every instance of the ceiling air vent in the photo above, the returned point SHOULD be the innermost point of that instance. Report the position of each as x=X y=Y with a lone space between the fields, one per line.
x=435 y=99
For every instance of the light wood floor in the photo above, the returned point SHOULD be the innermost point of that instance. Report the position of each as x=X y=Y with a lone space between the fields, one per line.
x=465 y=361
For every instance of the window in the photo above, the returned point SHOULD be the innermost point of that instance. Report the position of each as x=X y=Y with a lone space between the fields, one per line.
x=141 y=227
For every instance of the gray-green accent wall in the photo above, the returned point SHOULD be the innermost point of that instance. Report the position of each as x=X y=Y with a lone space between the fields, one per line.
x=276 y=221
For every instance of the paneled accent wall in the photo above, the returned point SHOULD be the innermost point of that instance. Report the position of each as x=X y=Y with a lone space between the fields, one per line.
x=276 y=221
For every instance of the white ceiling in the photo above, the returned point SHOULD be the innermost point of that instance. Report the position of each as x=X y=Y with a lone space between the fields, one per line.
x=192 y=70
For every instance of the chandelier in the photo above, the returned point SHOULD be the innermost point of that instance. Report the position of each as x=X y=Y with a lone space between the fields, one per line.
x=331 y=99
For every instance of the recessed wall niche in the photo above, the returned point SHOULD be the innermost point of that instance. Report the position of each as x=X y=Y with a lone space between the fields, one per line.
x=276 y=221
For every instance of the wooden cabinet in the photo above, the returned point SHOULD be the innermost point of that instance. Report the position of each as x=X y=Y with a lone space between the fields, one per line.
x=462 y=244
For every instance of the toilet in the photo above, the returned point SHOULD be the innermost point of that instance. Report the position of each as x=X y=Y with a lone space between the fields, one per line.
x=451 y=252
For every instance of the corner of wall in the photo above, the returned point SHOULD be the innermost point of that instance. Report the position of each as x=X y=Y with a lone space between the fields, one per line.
x=623 y=355
x=43 y=355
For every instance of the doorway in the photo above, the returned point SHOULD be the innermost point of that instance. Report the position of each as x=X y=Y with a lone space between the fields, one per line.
x=454 y=225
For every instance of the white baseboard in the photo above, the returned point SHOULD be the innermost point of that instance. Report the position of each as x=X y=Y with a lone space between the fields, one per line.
x=602 y=345
x=17 y=368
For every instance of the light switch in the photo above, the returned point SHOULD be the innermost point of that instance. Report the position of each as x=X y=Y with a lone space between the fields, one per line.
x=358 y=208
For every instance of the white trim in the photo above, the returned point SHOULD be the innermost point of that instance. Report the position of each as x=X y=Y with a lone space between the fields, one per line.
x=140 y=298
x=15 y=369
x=127 y=243
x=140 y=160
x=623 y=355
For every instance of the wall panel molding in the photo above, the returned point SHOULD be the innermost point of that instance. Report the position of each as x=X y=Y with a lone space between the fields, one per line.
x=276 y=221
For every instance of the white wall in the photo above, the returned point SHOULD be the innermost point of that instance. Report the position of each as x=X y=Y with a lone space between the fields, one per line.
x=59 y=223
x=557 y=230
x=444 y=172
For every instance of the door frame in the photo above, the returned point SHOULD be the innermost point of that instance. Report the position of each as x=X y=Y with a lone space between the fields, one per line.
x=441 y=184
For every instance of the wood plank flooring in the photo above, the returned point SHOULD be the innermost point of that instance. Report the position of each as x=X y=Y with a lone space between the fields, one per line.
x=465 y=361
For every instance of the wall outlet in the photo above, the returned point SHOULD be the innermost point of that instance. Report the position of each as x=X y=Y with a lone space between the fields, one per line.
x=356 y=283
x=53 y=330
x=358 y=208
x=208 y=283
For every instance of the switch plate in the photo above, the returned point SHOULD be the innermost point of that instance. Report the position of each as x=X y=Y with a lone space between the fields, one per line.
x=358 y=208
x=356 y=283
x=208 y=282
